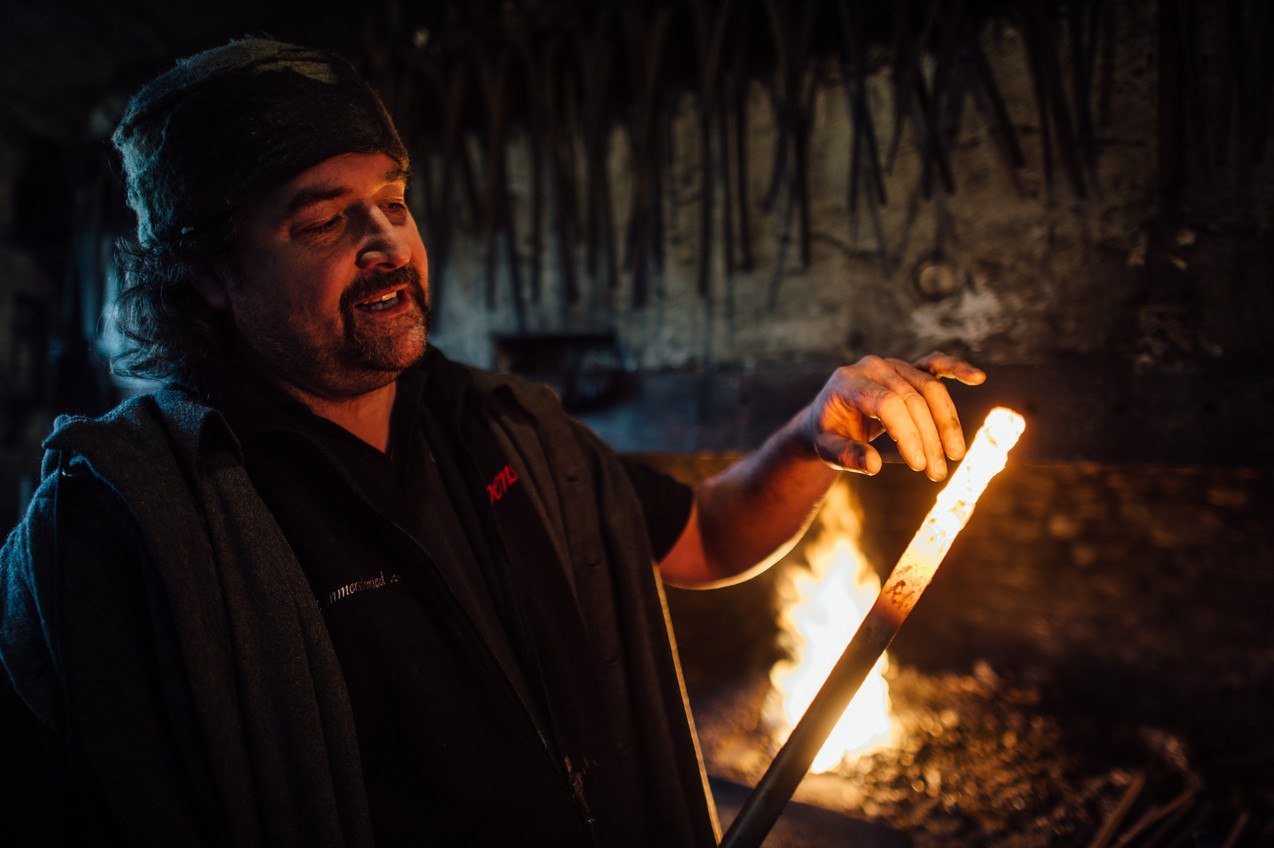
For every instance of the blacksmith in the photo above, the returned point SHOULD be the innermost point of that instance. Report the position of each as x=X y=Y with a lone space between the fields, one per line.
x=329 y=588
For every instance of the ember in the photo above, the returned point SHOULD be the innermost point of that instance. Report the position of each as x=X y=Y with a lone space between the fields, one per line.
x=1014 y=724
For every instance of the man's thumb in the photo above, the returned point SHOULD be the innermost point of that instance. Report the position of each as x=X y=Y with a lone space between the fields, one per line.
x=847 y=454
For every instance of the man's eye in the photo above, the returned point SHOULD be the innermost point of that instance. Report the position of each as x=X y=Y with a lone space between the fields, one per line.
x=325 y=226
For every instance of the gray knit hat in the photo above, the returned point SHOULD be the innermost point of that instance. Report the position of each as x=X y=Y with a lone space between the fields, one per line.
x=201 y=137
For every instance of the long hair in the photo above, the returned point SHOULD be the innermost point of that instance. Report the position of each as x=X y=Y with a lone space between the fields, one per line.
x=169 y=330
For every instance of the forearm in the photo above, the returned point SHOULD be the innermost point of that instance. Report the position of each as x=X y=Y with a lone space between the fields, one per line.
x=748 y=516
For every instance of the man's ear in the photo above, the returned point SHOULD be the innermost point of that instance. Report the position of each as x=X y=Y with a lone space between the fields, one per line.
x=212 y=286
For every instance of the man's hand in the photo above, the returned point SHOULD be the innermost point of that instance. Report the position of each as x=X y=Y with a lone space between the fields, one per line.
x=749 y=515
x=909 y=402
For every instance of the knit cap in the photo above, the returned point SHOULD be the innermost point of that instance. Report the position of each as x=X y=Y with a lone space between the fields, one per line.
x=197 y=140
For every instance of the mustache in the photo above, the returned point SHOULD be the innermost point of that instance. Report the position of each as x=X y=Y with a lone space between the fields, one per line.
x=369 y=284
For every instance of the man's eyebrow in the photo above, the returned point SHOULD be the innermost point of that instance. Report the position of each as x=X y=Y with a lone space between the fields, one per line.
x=310 y=196
x=317 y=194
x=396 y=173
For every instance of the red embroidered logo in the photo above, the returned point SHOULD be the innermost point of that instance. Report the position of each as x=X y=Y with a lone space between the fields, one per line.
x=497 y=488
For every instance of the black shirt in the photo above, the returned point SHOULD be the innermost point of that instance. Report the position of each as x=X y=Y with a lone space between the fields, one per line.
x=465 y=729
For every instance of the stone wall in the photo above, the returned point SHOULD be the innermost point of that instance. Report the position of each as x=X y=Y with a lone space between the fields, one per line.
x=1039 y=274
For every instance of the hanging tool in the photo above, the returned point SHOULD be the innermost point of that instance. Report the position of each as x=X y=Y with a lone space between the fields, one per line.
x=449 y=82
x=594 y=53
x=559 y=93
x=534 y=97
x=645 y=60
x=863 y=145
x=1050 y=94
x=709 y=38
x=913 y=101
x=498 y=223
x=741 y=174
x=794 y=100
x=990 y=103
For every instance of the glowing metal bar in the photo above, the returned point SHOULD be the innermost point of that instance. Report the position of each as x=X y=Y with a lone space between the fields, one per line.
x=985 y=458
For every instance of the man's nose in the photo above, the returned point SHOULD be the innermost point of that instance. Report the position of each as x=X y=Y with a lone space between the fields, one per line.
x=384 y=244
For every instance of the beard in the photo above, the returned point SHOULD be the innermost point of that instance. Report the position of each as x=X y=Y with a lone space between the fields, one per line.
x=372 y=349
x=358 y=355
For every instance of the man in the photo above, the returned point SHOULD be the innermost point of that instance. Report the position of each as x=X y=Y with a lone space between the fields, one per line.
x=330 y=588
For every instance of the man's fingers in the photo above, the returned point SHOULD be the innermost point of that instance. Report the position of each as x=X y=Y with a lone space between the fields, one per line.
x=847 y=454
x=940 y=407
x=891 y=409
x=908 y=401
x=940 y=364
x=868 y=392
x=945 y=416
x=903 y=381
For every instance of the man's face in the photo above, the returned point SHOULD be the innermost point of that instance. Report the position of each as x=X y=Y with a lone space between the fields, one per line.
x=330 y=286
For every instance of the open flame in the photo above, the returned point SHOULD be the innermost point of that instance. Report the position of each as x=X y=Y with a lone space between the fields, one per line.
x=822 y=609
x=826 y=616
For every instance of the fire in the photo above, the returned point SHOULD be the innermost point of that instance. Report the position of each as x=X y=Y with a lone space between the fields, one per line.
x=827 y=612
x=823 y=608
